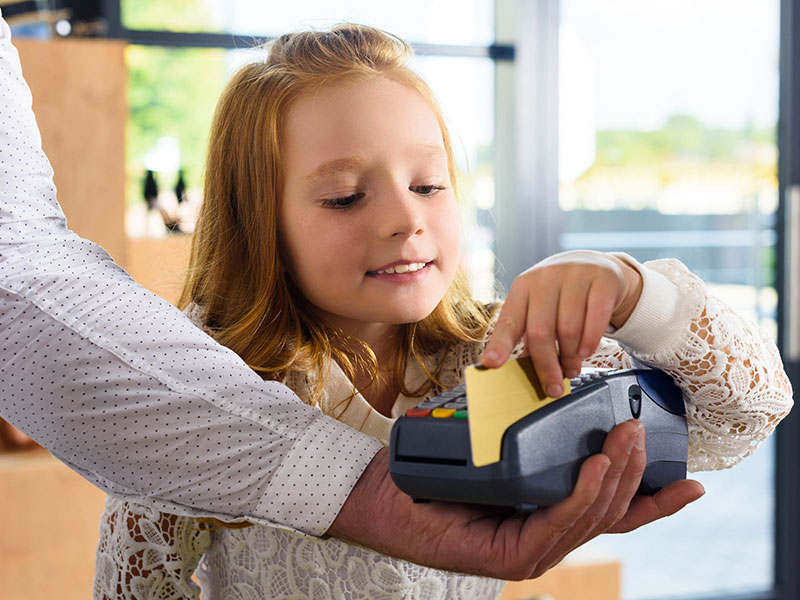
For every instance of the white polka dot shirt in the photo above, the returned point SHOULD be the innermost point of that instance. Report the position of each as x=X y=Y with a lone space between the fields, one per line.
x=124 y=389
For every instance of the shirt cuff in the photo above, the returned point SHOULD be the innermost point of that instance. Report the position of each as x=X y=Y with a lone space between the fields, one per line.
x=316 y=478
x=658 y=316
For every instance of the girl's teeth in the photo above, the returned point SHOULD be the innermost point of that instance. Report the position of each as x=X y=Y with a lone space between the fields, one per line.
x=402 y=269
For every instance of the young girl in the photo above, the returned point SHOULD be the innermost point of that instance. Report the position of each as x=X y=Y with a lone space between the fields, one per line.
x=326 y=255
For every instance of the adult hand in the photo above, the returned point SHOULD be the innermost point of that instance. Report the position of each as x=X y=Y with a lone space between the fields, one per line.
x=562 y=306
x=485 y=541
x=13 y=439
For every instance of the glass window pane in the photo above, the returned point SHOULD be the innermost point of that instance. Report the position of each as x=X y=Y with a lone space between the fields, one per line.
x=668 y=113
x=465 y=89
x=419 y=21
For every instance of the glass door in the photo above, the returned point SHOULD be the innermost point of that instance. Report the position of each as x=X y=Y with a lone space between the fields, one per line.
x=667 y=148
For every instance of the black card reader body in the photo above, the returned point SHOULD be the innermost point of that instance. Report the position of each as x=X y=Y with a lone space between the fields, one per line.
x=430 y=456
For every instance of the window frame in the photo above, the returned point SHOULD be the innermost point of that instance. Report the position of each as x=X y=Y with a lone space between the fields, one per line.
x=787 y=518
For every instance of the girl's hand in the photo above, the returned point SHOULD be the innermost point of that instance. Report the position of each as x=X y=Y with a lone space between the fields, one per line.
x=562 y=306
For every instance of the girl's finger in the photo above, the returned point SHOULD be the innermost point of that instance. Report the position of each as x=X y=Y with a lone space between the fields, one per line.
x=540 y=337
x=508 y=329
x=600 y=301
x=570 y=319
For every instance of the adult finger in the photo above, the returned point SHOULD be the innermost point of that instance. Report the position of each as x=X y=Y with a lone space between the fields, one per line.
x=619 y=485
x=628 y=483
x=667 y=501
x=545 y=528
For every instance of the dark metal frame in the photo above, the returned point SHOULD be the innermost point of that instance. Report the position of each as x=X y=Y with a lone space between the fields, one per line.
x=112 y=15
x=787 y=509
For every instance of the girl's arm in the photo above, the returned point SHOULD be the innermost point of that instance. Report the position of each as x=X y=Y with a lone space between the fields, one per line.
x=735 y=388
x=733 y=380
x=143 y=553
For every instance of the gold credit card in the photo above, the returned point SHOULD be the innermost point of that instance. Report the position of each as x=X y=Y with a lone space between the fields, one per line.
x=498 y=398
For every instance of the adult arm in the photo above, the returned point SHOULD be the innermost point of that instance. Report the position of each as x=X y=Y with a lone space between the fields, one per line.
x=121 y=387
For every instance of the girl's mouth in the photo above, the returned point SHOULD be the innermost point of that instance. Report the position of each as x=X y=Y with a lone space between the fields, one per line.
x=400 y=269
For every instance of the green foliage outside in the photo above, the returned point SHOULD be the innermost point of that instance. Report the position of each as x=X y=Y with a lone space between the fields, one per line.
x=681 y=137
x=171 y=92
x=172 y=15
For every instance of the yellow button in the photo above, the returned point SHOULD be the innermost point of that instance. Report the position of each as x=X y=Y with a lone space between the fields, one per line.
x=443 y=413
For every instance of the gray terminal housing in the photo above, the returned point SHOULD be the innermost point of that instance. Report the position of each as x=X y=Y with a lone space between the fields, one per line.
x=430 y=458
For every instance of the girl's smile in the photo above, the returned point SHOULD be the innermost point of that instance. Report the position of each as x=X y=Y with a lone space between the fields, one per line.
x=400 y=267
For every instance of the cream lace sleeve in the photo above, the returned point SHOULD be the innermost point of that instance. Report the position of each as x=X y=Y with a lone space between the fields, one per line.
x=735 y=388
x=147 y=554
x=731 y=374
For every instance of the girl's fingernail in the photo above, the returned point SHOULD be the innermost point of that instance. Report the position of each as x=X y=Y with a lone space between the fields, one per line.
x=572 y=373
x=584 y=353
x=490 y=355
x=554 y=390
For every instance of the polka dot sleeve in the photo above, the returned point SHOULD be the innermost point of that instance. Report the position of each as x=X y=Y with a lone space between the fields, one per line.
x=119 y=384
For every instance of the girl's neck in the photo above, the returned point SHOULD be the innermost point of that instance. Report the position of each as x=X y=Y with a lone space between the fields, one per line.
x=380 y=392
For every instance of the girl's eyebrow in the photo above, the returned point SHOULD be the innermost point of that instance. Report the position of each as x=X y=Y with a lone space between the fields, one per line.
x=355 y=162
x=336 y=166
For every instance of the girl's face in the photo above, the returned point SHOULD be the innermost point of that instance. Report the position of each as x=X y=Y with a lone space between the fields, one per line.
x=368 y=216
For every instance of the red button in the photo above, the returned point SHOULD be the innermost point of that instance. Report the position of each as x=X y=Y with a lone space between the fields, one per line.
x=418 y=412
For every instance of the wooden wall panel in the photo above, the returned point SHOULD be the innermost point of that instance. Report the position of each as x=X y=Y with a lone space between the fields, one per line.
x=78 y=89
x=595 y=581
x=49 y=523
x=159 y=264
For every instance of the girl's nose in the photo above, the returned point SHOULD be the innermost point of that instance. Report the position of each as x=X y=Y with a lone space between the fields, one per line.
x=401 y=216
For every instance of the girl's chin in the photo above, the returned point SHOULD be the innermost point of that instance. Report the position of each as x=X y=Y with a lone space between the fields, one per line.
x=409 y=317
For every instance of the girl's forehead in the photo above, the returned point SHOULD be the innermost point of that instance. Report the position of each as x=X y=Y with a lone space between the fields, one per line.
x=355 y=93
x=361 y=116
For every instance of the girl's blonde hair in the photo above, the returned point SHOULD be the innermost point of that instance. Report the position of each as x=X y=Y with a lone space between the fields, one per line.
x=238 y=273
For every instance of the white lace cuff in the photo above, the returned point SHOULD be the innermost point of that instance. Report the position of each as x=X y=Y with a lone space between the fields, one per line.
x=659 y=317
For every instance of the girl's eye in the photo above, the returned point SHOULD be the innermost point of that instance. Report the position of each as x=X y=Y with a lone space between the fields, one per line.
x=343 y=202
x=427 y=190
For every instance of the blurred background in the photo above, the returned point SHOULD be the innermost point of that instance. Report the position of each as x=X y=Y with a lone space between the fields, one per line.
x=662 y=129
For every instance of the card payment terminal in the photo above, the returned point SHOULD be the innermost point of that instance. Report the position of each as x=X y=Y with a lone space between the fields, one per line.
x=541 y=453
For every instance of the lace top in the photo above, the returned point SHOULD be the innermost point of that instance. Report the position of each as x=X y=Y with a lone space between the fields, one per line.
x=734 y=386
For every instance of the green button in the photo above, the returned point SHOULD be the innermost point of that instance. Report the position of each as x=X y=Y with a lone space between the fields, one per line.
x=461 y=414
